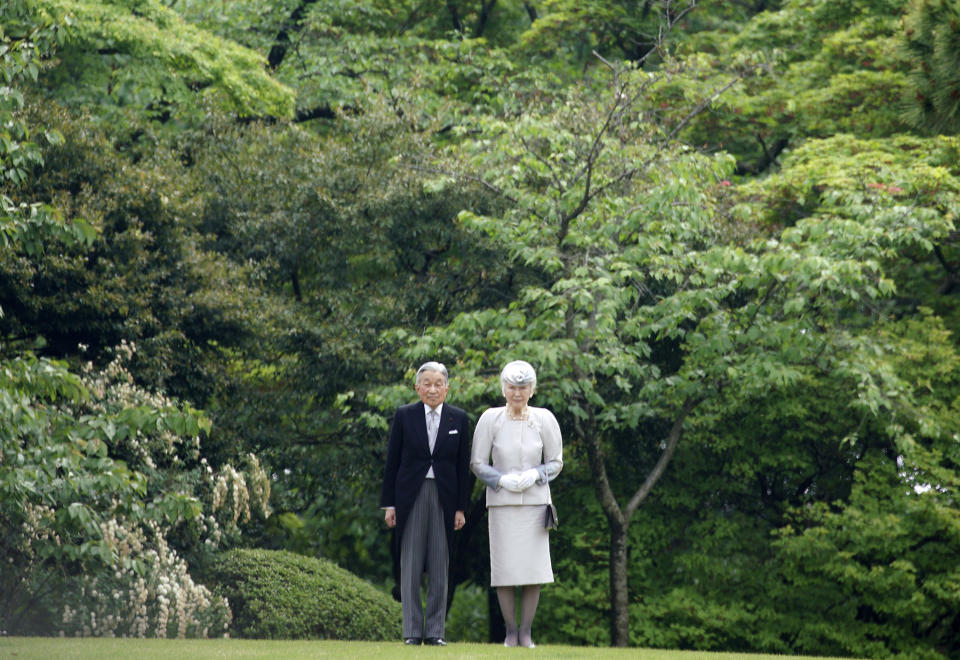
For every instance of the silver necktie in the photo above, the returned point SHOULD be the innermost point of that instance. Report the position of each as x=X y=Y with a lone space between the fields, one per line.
x=432 y=429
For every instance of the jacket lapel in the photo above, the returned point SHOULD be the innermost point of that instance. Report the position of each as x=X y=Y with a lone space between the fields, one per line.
x=420 y=425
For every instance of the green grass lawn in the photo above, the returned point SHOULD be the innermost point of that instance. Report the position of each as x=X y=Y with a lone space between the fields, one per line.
x=52 y=648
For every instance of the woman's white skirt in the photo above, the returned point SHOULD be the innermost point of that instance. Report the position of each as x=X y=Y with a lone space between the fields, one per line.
x=519 y=546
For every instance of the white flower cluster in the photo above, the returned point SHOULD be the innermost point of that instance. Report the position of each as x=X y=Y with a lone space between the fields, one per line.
x=37 y=529
x=148 y=591
x=230 y=495
x=235 y=491
x=258 y=483
x=113 y=389
x=148 y=594
x=143 y=589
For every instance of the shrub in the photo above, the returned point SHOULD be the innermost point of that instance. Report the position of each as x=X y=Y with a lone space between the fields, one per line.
x=157 y=598
x=282 y=595
x=468 y=619
x=103 y=500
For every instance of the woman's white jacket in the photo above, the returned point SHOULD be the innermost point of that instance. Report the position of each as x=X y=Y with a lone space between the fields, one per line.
x=502 y=446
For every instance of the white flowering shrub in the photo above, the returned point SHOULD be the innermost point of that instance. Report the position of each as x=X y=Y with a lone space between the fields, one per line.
x=204 y=506
x=150 y=594
x=105 y=502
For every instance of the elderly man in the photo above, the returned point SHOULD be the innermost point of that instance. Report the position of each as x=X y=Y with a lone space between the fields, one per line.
x=426 y=488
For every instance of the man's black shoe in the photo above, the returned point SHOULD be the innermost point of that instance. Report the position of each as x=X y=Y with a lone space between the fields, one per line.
x=412 y=641
x=434 y=641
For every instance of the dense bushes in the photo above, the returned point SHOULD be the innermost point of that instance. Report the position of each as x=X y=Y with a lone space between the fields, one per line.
x=104 y=503
x=282 y=595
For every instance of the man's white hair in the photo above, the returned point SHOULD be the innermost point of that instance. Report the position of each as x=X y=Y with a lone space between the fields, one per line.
x=433 y=366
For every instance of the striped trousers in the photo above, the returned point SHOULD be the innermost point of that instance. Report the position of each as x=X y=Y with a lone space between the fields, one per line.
x=423 y=548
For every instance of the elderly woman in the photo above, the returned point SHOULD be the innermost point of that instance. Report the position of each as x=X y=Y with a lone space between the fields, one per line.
x=526 y=450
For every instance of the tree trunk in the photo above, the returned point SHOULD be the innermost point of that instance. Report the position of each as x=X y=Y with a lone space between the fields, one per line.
x=485 y=8
x=619 y=602
x=619 y=518
x=618 y=525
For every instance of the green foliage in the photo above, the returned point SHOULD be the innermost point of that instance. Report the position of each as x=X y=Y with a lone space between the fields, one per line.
x=704 y=572
x=496 y=22
x=281 y=595
x=144 y=278
x=23 y=47
x=102 y=494
x=432 y=85
x=656 y=253
x=647 y=315
x=931 y=32
x=779 y=465
x=575 y=608
x=434 y=69
x=352 y=241
x=829 y=69
x=28 y=227
x=706 y=578
x=624 y=30
x=891 y=548
x=140 y=54
x=475 y=177
x=102 y=488
x=468 y=616
x=250 y=23
x=335 y=526
x=844 y=178
x=895 y=182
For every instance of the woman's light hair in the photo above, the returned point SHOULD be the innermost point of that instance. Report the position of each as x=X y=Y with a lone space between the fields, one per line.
x=433 y=366
x=517 y=372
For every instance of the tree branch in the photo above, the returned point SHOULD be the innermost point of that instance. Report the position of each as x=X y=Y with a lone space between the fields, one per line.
x=768 y=158
x=531 y=11
x=293 y=24
x=703 y=105
x=545 y=162
x=320 y=112
x=598 y=469
x=676 y=432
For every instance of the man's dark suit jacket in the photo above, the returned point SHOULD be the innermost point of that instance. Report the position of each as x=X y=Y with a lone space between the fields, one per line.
x=409 y=458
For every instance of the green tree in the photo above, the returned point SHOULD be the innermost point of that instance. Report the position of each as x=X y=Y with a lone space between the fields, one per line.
x=891 y=547
x=141 y=56
x=648 y=311
x=932 y=93
x=255 y=265
x=350 y=242
x=835 y=68
x=24 y=45
x=102 y=489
